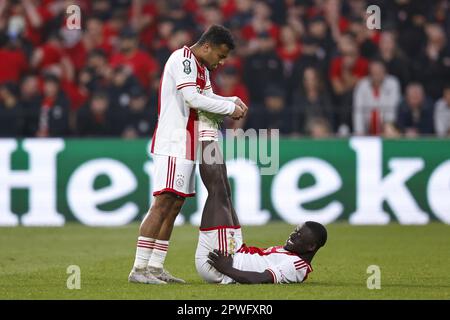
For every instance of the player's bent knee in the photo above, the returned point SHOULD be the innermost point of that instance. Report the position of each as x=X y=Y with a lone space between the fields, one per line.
x=207 y=272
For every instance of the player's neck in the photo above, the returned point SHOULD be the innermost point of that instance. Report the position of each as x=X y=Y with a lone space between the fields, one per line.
x=307 y=256
x=195 y=48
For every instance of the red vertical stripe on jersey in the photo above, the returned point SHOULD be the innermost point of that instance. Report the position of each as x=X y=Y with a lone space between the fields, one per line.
x=191 y=139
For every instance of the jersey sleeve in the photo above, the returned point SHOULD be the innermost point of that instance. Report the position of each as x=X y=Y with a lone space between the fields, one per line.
x=289 y=271
x=184 y=71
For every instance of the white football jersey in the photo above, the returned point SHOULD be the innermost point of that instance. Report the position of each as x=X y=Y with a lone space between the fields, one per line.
x=284 y=266
x=176 y=132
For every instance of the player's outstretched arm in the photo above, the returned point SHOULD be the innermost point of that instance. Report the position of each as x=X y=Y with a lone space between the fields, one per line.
x=198 y=101
x=224 y=264
x=210 y=93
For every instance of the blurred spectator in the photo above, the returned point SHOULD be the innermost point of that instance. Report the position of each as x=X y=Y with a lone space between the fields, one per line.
x=143 y=66
x=433 y=64
x=289 y=53
x=97 y=119
x=177 y=39
x=160 y=45
x=52 y=53
x=243 y=14
x=27 y=17
x=102 y=9
x=320 y=35
x=345 y=71
x=11 y=118
x=312 y=102
x=262 y=68
x=51 y=117
x=375 y=100
x=366 y=39
x=396 y=62
x=332 y=11
x=139 y=119
x=209 y=15
x=30 y=99
x=101 y=70
x=229 y=85
x=144 y=15
x=318 y=128
x=272 y=114
x=121 y=84
x=94 y=36
x=442 y=114
x=410 y=21
x=312 y=56
x=182 y=12
x=13 y=62
x=415 y=113
x=260 y=24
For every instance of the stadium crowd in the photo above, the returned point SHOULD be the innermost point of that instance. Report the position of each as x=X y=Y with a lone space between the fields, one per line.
x=307 y=67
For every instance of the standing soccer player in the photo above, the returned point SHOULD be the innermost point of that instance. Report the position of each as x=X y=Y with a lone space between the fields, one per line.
x=185 y=89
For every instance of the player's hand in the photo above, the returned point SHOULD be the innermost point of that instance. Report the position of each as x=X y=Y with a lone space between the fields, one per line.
x=238 y=112
x=241 y=104
x=220 y=261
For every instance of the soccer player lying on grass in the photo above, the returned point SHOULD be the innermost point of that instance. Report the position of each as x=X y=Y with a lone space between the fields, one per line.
x=221 y=256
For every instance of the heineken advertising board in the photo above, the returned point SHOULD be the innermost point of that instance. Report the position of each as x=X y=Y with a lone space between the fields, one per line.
x=108 y=182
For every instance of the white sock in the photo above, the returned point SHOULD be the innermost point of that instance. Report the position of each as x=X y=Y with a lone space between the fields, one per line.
x=144 y=250
x=159 y=254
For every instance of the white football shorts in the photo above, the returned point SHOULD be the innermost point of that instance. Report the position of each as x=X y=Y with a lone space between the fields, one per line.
x=225 y=239
x=171 y=174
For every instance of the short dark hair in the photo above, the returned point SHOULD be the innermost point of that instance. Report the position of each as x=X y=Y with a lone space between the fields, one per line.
x=319 y=232
x=217 y=35
x=378 y=60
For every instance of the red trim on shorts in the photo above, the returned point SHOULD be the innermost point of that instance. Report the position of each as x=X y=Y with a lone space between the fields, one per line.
x=181 y=194
x=220 y=227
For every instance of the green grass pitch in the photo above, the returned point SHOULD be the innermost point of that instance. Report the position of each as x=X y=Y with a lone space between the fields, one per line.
x=414 y=263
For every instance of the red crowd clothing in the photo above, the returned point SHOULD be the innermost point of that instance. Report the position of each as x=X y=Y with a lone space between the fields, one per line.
x=143 y=66
x=289 y=56
x=359 y=70
x=51 y=55
x=13 y=64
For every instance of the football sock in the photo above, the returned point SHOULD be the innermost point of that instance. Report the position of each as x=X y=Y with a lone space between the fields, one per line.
x=159 y=253
x=143 y=252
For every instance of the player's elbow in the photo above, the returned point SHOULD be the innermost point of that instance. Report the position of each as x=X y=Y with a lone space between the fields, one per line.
x=189 y=96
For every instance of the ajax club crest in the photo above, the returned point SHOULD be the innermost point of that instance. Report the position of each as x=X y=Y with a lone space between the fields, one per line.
x=179 y=181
